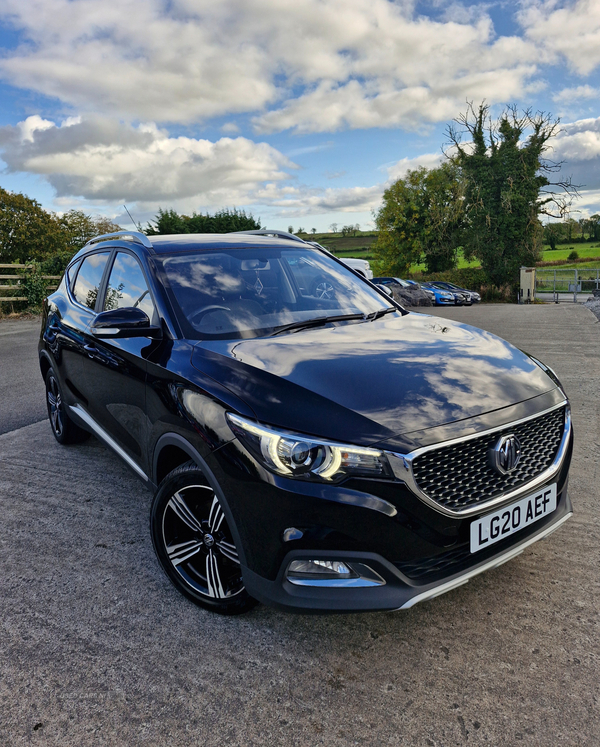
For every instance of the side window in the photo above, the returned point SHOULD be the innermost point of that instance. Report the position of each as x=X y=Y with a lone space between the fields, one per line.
x=127 y=286
x=71 y=274
x=89 y=277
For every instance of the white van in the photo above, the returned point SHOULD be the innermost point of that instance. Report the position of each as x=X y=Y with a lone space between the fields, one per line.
x=359 y=265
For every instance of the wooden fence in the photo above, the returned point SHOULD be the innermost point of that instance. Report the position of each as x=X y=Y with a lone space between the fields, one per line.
x=15 y=278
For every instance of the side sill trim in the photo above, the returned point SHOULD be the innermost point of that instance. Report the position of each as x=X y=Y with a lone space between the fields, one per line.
x=509 y=555
x=79 y=412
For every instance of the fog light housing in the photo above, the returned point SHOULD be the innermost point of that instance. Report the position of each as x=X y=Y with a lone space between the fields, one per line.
x=332 y=573
x=321 y=569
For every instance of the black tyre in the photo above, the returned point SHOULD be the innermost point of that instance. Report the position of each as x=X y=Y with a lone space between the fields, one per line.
x=194 y=544
x=64 y=429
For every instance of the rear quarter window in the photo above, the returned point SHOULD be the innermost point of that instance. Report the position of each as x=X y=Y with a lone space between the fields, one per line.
x=89 y=277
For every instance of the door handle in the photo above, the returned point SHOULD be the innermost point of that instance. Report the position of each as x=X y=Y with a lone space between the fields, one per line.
x=51 y=331
x=90 y=350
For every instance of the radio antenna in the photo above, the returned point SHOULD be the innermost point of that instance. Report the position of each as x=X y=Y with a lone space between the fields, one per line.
x=131 y=216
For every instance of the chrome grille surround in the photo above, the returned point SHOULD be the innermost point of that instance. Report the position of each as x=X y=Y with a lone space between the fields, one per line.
x=468 y=485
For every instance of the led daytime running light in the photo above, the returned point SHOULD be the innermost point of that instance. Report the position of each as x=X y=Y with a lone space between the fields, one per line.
x=300 y=456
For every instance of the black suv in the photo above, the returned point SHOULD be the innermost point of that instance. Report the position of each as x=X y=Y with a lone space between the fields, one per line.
x=313 y=449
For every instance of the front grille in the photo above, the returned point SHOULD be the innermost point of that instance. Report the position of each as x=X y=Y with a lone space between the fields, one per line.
x=460 y=476
x=422 y=569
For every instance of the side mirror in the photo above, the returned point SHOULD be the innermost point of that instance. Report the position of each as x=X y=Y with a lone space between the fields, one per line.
x=386 y=289
x=124 y=322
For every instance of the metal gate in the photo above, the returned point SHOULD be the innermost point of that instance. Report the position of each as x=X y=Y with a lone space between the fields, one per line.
x=570 y=285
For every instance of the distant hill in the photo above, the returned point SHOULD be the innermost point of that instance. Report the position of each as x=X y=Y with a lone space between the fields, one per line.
x=345 y=246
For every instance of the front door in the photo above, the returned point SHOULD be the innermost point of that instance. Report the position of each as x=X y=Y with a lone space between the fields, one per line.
x=115 y=369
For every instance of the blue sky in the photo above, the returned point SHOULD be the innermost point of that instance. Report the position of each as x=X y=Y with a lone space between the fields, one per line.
x=299 y=111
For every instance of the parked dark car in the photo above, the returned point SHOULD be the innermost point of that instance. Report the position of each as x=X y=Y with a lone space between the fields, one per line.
x=473 y=296
x=408 y=293
x=313 y=451
x=441 y=297
x=461 y=297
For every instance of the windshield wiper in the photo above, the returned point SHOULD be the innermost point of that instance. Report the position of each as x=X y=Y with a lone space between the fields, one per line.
x=380 y=312
x=316 y=322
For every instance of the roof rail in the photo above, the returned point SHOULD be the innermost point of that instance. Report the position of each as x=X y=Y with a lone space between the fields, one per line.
x=274 y=232
x=136 y=236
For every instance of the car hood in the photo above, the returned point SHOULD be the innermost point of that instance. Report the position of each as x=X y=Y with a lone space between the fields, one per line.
x=367 y=382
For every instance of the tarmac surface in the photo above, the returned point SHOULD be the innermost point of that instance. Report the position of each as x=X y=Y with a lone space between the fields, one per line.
x=97 y=648
x=22 y=392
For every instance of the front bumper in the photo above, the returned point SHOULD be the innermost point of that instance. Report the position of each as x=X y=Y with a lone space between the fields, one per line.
x=399 y=590
x=418 y=551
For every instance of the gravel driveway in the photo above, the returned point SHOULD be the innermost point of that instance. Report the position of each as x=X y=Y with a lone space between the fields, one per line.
x=98 y=649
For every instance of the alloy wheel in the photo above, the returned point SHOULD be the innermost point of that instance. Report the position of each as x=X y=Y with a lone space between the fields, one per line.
x=199 y=545
x=55 y=405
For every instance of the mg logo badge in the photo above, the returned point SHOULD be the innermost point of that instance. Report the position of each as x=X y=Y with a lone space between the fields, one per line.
x=505 y=455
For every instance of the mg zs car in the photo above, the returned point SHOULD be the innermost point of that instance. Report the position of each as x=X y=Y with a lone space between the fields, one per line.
x=310 y=450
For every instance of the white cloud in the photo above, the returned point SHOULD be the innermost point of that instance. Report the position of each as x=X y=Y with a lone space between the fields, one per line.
x=580 y=141
x=576 y=95
x=305 y=201
x=99 y=159
x=230 y=128
x=427 y=160
x=578 y=146
x=588 y=204
x=571 y=31
x=333 y=63
x=104 y=162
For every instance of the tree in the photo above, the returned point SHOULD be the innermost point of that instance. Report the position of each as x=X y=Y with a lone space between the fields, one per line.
x=27 y=231
x=223 y=221
x=334 y=227
x=79 y=228
x=552 y=234
x=421 y=217
x=313 y=231
x=105 y=225
x=507 y=186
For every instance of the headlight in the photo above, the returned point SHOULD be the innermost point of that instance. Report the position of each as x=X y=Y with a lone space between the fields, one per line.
x=307 y=458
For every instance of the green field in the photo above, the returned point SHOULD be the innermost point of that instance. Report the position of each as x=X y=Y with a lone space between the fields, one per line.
x=562 y=251
x=345 y=246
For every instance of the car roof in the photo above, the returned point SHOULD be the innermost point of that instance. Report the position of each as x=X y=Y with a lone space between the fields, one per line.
x=168 y=243
x=194 y=241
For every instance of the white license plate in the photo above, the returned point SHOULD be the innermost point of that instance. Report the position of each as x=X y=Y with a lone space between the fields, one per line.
x=508 y=520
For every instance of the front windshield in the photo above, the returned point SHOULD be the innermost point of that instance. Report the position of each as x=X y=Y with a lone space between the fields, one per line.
x=240 y=293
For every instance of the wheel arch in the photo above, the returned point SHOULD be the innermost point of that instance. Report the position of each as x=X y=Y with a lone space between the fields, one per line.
x=45 y=364
x=173 y=450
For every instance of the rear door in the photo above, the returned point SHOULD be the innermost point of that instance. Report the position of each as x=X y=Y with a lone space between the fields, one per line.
x=71 y=314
